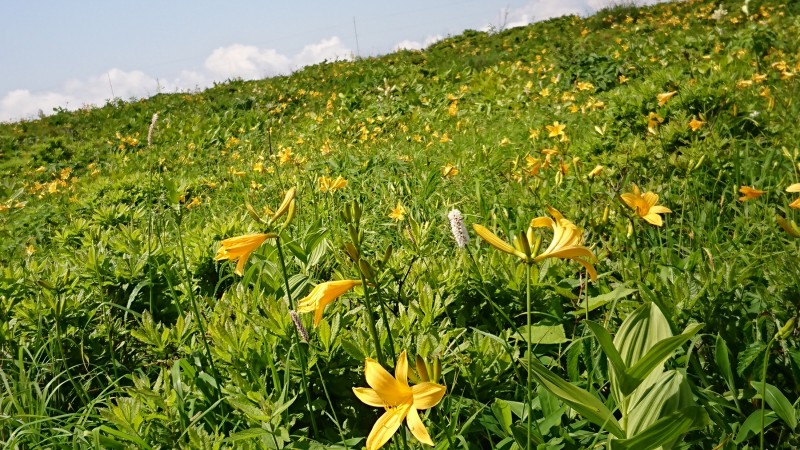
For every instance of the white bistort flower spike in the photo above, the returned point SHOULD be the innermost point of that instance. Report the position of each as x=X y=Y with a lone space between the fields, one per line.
x=460 y=232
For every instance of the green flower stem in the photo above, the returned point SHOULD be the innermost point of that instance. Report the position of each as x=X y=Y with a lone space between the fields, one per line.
x=298 y=348
x=530 y=349
x=371 y=321
x=382 y=305
x=196 y=310
x=764 y=388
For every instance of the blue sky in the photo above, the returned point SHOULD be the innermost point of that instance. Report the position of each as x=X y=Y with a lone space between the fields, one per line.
x=69 y=54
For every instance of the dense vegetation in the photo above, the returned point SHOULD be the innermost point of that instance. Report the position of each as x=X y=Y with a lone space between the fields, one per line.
x=122 y=324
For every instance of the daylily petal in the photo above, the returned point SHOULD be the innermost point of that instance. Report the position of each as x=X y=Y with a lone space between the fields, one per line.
x=654 y=219
x=386 y=426
x=795 y=203
x=369 y=396
x=427 y=394
x=629 y=199
x=589 y=268
x=417 y=427
x=650 y=200
x=401 y=369
x=389 y=389
x=793 y=188
x=542 y=222
x=495 y=241
x=568 y=253
x=659 y=209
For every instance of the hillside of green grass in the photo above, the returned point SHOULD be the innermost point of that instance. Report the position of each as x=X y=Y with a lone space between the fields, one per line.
x=122 y=324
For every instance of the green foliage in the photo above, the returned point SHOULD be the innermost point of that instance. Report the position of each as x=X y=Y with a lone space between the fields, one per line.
x=122 y=325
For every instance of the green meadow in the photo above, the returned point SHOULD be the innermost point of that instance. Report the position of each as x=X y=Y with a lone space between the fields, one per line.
x=279 y=264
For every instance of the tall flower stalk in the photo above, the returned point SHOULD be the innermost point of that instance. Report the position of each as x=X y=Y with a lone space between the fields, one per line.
x=566 y=244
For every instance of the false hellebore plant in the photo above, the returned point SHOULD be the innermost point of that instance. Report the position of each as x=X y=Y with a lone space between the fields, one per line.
x=656 y=405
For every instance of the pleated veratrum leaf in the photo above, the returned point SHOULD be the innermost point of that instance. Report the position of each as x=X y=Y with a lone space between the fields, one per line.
x=607 y=344
x=640 y=331
x=655 y=358
x=667 y=429
x=669 y=394
x=578 y=399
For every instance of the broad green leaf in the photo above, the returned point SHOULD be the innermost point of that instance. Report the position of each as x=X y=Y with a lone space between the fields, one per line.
x=669 y=394
x=640 y=331
x=578 y=399
x=778 y=402
x=607 y=344
x=751 y=354
x=668 y=429
x=543 y=334
x=752 y=425
x=502 y=412
x=603 y=299
x=654 y=358
x=521 y=437
x=724 y=363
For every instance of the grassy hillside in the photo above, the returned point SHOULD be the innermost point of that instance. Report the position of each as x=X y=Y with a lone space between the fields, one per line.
x=123 y=324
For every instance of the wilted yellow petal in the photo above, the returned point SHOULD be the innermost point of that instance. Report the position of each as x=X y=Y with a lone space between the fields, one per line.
x=793 y=188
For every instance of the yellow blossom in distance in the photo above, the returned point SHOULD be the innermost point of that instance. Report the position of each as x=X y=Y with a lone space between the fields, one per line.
x=695 y=124
x=398 y=213
x=664 y=97
x=322 y=295
x=749 y=193
x=645 y=205
x=449 y=170
x=556 y=129
x=329 y=185
x=400 y=400
x=596 y=171
x=239 y=248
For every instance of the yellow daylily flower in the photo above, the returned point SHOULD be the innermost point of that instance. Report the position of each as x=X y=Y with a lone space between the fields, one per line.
x=239 y=248
x=566 y=244
x=749 y=193
x=329 y=185
x=695 y=124
x=449 y=170
x=664 y=97
x=645 y=205
x=322 y=295
x=556 y=129
x=398 y=213
x=400 y=400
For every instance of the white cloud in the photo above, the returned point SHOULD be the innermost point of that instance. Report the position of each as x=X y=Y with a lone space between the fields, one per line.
x=250 y=62
x=234 y=61
x=545 y=9
x=416 y=45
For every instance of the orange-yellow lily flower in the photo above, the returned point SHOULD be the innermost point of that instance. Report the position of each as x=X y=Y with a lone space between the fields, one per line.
x=749 y=193
x=400 y=400
x=645 y=205
x=322 y=295
x=239 y=248
x=566 y=244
